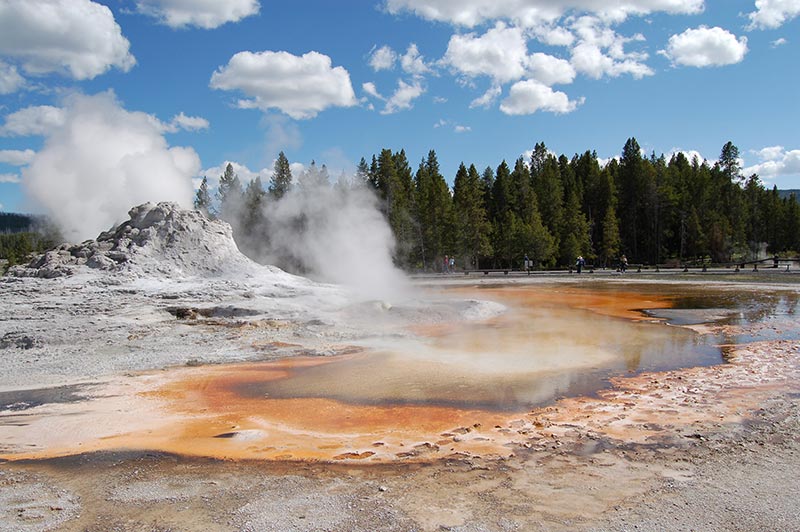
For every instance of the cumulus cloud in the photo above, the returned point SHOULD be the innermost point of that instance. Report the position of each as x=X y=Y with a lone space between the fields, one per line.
x=530 y=96
x=16 y=157
x=403 y=97
x=776 y=162
x=78 y=38
x=462 y=129
x=690 y=155
x=488 y=98
x=770 y=14
x=779 y=42
x=30 y=121
x=300 y=86
x=530 y=13
x=550 y=70
x=554 y=35
x=370 y=88
x=413 y=63
x=382 y=58
x=245 y=174
x=600 y=51
x=101 y=161
x=187 y=123
x=207 y=14
x=704 y=47
x=10 y=80
x=9 y=178
x=501 y=53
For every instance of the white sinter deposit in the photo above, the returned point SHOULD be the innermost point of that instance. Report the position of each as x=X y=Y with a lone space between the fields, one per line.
x=170 y=287
x=159 y=240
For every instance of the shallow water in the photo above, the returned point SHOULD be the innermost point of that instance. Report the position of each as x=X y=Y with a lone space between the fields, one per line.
x=449 y=385
x=552 y=342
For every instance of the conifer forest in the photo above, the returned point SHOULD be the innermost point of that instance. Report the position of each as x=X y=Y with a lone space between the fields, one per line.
x=550 y=209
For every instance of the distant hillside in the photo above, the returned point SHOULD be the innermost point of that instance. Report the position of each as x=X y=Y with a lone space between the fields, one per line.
x=789 y=192
x=16 y=223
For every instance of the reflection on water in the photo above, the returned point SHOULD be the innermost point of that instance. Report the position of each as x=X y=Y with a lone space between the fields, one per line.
x=552 y=342
x=448 y=388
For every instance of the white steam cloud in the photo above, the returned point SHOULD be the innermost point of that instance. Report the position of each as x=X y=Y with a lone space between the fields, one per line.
x=100 y=161
x=334 y=234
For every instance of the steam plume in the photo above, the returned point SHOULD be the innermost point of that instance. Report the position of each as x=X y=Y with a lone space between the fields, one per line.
x=101 y=161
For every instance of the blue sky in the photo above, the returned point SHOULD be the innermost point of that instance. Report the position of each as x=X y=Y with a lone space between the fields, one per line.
x=92 y=92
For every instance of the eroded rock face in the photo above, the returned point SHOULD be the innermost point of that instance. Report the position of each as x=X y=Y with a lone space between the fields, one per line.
x=159 y=239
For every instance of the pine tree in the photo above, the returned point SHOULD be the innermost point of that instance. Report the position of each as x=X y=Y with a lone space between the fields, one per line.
x=362 y=172
x=314 y=177
x=434 y=210
x=281 y=181
x=230 y=195
x=472 y=226
x=254 y=232
x=550 y=196
x=202 y=198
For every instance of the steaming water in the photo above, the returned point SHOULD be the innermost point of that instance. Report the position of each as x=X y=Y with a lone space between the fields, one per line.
x=437 y=389
x=549 y=344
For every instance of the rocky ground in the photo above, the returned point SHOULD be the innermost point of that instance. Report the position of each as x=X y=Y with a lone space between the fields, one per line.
x=711 y=448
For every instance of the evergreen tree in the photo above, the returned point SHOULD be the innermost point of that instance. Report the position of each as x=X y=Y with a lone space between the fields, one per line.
x=472 y=226
x=230 y=195
x=362 y=172
x=550 y=195
x=202 y=198
x=630 y=187
x=435 y=210
x=281 y=181
x=314 y=177
x=253 y=234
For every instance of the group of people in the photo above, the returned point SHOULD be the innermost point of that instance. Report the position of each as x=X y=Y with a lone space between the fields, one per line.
x=448 y=264
x=580 y=262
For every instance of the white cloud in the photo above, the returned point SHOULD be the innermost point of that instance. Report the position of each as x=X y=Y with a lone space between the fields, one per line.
x=704 y=47
x=779 y=42
x=245 y=174
x=462 y=129
x=600 y=51
x=530 y=13
x=527 y=97
x=78 y=38
x=103 y=160
x=441 y=123
x=10 y=80
x=775 y=162
x=488 y=98
x=554 y=36
x=689 y=154
x=35 y=120
x=550 y=70
x=501 y=53
x=383 y=58
x=773 y=13
x=206 y=14
x=403 y=97
x=300 y=86
x=413 y=63
x=370 y=88
x=9 y=178
x=16 y=157
x=188 y=123
x=770 y=153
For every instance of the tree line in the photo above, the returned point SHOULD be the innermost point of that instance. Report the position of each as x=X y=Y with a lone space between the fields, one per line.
x=550 y=209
